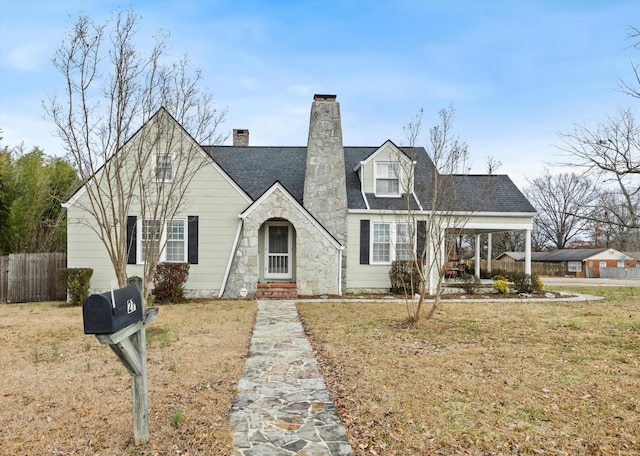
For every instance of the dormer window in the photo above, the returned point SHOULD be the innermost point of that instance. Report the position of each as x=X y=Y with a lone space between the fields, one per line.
x=387 y=179
x=163 y=168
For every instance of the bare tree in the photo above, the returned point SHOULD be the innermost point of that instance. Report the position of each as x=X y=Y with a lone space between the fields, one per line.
x=610 y=153
x=433 y=236
x=565 y=203
x=111 y=89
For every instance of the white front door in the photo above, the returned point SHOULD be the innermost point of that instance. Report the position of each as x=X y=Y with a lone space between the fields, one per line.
x=277 y=251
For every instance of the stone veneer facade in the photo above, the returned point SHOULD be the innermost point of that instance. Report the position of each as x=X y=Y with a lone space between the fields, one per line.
x=325 y=187
x=317 y=255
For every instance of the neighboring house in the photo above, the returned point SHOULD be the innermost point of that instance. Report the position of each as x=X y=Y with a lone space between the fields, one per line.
x=575 y=262
x=329 y=219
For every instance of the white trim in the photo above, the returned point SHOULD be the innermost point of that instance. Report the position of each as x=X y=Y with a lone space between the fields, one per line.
x=453 y=214
x=366 y=201
x=154 y=167
x=415 y=198
x=227 y=270
x=398 y=172
x=163 y=240
x=289 y=255
x=393 y=237
x=278 y=186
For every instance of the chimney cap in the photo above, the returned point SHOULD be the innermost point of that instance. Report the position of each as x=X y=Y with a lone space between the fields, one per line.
x=323 y=97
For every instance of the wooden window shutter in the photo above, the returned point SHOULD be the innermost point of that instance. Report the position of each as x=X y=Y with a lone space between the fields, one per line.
x=421 y=228
x=364 y=241
x=132 y=240
x=192 y=242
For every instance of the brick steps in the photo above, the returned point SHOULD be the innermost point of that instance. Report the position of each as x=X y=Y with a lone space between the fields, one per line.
x=275 y=290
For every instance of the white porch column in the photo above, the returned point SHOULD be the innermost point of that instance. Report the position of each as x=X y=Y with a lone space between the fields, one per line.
x=489 y=254
x=477 y=263
x=527 y=252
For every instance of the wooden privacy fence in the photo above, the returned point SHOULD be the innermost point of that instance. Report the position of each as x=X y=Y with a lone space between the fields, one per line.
x=541 y=269
x=29 y=277
x=620 y=273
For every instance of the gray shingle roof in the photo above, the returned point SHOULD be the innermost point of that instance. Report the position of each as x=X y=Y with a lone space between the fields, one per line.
x=557 y=255
x=257 y=168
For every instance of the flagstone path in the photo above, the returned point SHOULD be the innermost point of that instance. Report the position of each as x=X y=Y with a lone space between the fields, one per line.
x=282 y=407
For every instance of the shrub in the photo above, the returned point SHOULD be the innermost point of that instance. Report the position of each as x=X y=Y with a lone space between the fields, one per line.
x=168 y=282
x=525 y=283
x=499 y=277
x=469 y=283
x=405 y=277
x=484 y=274
x=78 y=281
x=498 y=272
x=501 y=286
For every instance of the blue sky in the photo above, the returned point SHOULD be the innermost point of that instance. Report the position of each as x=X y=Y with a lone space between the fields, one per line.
x=516 y=72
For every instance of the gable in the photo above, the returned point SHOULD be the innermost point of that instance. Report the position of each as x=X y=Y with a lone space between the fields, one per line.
x=161 y=136
x=281 y=204
x=372 y=166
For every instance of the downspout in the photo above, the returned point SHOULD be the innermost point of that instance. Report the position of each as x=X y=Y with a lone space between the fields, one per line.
x=233 y=251
x=340 y=270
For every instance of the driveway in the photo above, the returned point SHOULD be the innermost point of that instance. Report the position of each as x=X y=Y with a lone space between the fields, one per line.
x=572 y=281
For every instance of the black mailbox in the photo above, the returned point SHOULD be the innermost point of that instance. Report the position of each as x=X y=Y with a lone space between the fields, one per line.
x=104 y=315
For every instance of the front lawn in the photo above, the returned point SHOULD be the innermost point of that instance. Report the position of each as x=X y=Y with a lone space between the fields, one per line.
x=64 y=393
x=559 y=378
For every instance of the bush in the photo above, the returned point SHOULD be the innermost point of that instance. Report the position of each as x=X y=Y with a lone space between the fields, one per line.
x=501 y=286
x=469 y=283
x=168 y=282
x=405 y=277
x=525 y=283
x=497 y=272
x=484 y=274
x=78 y=282
x=499 y=277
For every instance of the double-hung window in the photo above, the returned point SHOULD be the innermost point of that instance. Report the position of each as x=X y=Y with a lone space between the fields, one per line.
x=163 y=167
x=390 y=241
x=171 y=236
x=387 y=179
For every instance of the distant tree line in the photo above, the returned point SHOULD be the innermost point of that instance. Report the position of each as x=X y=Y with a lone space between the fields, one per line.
x=32 y=187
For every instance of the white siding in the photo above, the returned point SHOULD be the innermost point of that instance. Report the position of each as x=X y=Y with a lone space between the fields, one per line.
x=211 y=196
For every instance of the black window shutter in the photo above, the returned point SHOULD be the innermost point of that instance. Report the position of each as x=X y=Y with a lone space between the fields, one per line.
x=364 y=241
x=132 y=239
x=421 y=236
x=192 y=242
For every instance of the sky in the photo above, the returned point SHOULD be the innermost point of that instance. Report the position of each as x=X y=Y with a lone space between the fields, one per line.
x=517 y=73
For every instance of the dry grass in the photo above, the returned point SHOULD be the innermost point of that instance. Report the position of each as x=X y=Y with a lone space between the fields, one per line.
x=63 y=393
x=559 y=378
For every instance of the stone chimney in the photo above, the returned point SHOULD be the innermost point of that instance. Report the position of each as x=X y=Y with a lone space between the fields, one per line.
x=240 y=137
x=325 y=189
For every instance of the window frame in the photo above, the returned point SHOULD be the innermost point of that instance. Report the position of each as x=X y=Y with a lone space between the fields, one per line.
x=393 y=242
x=164 y=241
x=574 y=266
x=156 y=167
x=378 y=165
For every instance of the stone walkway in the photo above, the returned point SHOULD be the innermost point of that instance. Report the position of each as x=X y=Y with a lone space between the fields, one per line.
x=283 y=407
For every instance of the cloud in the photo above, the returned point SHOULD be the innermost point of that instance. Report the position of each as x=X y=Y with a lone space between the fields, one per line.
x=28 y=57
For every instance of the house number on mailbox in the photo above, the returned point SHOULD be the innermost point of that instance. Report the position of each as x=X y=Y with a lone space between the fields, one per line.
x=131 y=306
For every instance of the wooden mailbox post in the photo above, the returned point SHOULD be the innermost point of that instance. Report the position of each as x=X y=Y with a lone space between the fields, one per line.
x=129 y=343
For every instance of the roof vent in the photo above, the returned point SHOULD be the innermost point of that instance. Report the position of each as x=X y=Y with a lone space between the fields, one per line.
x=319 y=97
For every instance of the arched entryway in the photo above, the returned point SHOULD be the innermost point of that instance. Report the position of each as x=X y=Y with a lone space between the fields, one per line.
x=278 y=247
